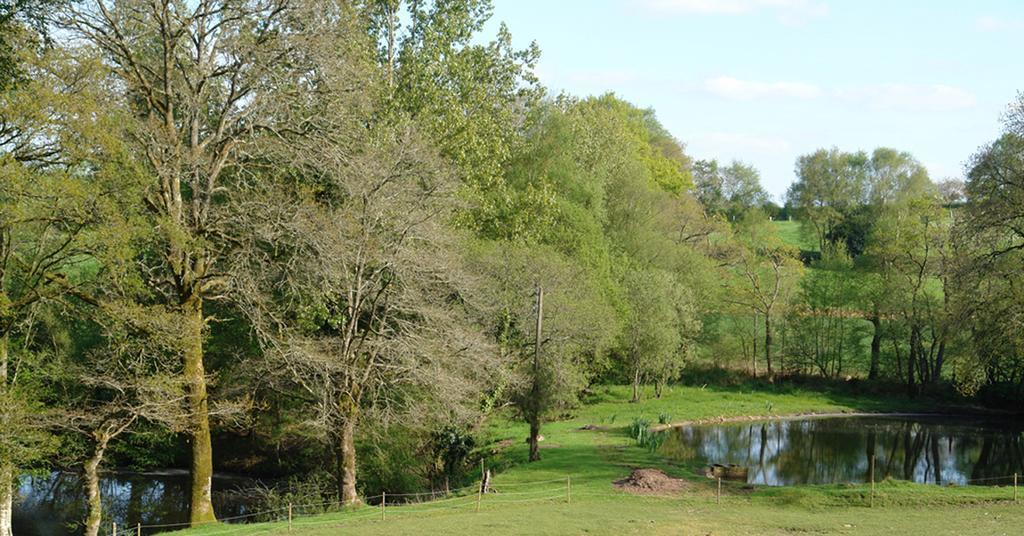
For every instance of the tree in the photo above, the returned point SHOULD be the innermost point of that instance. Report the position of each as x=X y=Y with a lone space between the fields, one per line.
x=829 y=182
x=469 y=98
x=660 y=325
x=349 y=277
x=765 y=275
x=130 y=376
x=548 y=342
x=56 y=177
x=730 y=191
x=199 y=83
x=913 y=247
x=991 y=232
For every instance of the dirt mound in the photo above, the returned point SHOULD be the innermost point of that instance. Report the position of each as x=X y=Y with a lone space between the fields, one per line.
x=650 y=481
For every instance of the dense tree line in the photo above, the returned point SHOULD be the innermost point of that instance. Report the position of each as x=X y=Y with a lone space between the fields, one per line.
x=298 y=224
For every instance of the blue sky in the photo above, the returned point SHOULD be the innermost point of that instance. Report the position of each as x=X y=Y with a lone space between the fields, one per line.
x=765 y=81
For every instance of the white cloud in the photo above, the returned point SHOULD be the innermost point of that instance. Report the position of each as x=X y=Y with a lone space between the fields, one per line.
x=989 y=23
x=787 y=11
x=904 y=97
x=736 y=89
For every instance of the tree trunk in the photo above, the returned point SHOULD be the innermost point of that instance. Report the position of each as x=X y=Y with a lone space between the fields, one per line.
x=876 y=346
x=536 y=409
x=636 y=382
x=6 y=470
x=346 y=460
x=198 y=405
x=92 y=486
x=939 y=359
x=768 y=346
x=6 y=499
x=912 y=358
x=534 y=439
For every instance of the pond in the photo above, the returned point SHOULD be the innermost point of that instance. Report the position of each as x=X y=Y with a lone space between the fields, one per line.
x=55 y=504
x=823 y=450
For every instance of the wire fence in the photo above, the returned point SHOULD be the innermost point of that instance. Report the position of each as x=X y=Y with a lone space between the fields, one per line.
x=559 y=490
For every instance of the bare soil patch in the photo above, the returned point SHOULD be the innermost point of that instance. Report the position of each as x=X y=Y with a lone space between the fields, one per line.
x=650 y=482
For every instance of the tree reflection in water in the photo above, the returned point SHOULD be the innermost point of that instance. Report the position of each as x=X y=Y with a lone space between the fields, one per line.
x=55 y=504
x=832 y=450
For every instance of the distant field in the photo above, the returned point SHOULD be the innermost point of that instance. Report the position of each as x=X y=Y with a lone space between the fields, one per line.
x=792 y=234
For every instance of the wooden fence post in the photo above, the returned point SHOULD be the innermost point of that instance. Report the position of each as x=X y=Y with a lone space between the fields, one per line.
x=718 y=496
x=1014 y=487
x=113 y=530
x=383 y=505
x=138 y=529
x=568 y=489
x=289 y=517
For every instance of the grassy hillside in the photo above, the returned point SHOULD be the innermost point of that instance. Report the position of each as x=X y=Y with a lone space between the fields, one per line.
x=534 y=500
x=792 y=234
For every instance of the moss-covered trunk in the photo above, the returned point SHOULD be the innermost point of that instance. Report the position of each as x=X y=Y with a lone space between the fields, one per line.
x=6 y=499
x=92 y=487
x=346 y=457
x=6 y=470
x=199 y=414
x=534 y=439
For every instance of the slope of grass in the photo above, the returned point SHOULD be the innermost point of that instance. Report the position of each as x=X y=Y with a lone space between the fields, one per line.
x=791 y=233
x=533 y=498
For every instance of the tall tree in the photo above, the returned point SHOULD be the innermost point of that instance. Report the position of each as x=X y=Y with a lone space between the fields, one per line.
x=57 y=174
x=200 y=81
x=829 y=183
x=765 y=275
x=350 y=278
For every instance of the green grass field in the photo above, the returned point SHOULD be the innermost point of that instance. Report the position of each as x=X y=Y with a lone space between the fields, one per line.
x=791 y=233
x=533 y=498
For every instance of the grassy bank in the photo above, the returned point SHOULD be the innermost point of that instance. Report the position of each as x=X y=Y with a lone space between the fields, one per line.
x=534 y=497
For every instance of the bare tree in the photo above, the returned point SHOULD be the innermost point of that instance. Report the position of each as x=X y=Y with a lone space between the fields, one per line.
x=350 y=280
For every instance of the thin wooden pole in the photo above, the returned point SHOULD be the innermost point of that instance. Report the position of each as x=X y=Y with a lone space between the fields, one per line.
x=383 y=505
x=289 y=517
x=113 y=530
x=138 y=529
x=872 y=481
x=718 y=496
x=1014 y=487
x=568 y=489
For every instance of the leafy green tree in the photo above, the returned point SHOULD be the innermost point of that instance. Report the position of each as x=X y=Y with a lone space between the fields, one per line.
x=660 y=325
x=765 y=274
x=990 y=282
x=729 y=191
x=913 y=248
x=829 y=183
x=471 y=99
x=57 y=216
x=824 y=327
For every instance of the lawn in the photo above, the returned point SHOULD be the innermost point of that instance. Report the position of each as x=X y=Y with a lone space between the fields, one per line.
x=535 y=498
x=792 y=234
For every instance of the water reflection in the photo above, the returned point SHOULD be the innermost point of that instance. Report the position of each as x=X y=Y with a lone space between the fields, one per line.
x=832 y=450
x=55 y=504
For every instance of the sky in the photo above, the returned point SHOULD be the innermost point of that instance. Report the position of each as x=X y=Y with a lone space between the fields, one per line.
x=765 y=81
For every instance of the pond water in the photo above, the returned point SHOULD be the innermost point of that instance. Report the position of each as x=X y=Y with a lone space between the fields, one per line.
x=938 y=450
x=55 y=505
